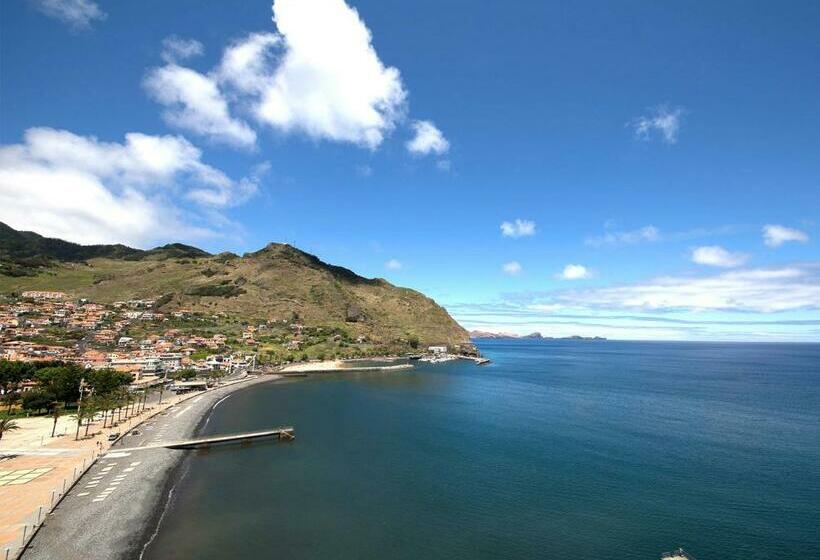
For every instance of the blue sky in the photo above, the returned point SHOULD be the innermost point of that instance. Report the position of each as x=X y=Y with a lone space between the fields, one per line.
x=656 y=165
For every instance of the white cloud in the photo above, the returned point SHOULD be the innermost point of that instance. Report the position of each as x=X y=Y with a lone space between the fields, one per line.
x=194 y=102
x=714 y=255
x=247 y=64
x=444 y=165
x=393 y=264
x=518 y=228
x=575 y=272
x=512 y=268
x=661 y=121
x=427 y=139
x=176 y=49
x=763 y=290
x=78 y=14
x=319 y=75
x=81 y=189
x=646 y=233
x=775 y=236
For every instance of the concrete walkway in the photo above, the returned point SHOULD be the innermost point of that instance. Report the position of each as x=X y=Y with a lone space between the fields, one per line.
x=40 y=470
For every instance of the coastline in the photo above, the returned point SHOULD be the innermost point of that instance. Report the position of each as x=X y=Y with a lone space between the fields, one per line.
x=120 y=525
x=153 y=521
x=336 y=366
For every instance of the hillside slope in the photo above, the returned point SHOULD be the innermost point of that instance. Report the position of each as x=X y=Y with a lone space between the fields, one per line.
x=278 y=282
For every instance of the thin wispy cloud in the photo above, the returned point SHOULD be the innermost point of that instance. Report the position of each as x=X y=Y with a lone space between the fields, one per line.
x=647 y=233
x=444 y=165
x=512 y=268
x=662 y=122
x=78 y=14
x=714 y=255
x=518 y=228
x=176 y=49
x=364 y=170
x=776 y=235
x=393 y=264
x=762 y=290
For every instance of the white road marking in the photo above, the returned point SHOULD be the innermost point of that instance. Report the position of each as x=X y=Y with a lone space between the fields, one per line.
x=117 y=454
x=83 y=494
x=97 y=499
x=181 y=412
x=129 y=469
x=135 y=463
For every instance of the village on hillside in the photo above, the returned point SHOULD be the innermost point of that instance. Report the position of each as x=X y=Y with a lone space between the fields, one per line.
x=49 y=326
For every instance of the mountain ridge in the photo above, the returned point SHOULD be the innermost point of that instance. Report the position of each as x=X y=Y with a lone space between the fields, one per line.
x=278 y=282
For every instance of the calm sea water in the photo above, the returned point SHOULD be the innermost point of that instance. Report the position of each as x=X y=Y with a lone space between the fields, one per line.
x=559 y=449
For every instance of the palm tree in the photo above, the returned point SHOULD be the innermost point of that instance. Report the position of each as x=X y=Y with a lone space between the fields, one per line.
x=56 y=411
x=7 y=425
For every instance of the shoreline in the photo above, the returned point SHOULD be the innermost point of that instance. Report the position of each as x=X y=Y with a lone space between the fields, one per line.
x=336 y=366
x=125 y=523
x=153 y=522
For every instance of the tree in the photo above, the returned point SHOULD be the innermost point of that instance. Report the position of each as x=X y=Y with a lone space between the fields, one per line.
x=11 y=375
x=62 y=381
x=184 y=374
x=56 y=410
x=37 y=400
x=89 y=408
x=9 y=399
x=107 y=381
x=7 y=425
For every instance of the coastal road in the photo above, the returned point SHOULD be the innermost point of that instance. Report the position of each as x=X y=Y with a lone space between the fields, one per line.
x=110 y=512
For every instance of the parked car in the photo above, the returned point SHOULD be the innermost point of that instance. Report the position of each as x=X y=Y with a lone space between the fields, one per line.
x=114 y=436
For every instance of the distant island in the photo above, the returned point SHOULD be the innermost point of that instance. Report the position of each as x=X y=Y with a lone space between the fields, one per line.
x=535 y=336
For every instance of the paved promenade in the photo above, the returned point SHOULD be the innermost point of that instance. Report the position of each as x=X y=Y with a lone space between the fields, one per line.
x=34 y=478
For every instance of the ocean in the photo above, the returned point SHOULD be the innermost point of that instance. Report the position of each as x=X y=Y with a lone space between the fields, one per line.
x=559 y=449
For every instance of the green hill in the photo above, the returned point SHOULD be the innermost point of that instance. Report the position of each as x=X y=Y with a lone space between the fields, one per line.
x=278 y=283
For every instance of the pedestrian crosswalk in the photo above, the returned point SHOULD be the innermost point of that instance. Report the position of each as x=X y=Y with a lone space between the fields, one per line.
x=102 y=485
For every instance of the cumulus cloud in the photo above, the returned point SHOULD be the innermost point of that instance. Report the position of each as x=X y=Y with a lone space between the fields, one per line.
x=427 y=139
x=518 y=228
x=575 y=272
x=194 y=102
x=763 y=290
x=78 y=14
x=393 y=264
x=248 y=64
x=176 y=49
x=646 y=233
x=318 y=75
x=512 y=268
x=82 y=189
x=714 y=255
x=775 y=235
x=661 y=122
